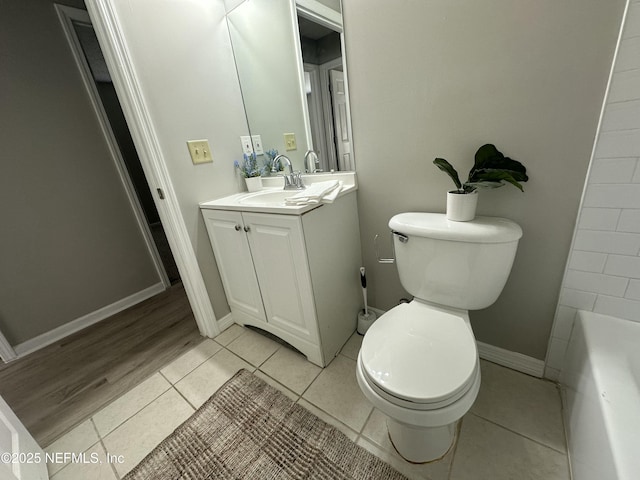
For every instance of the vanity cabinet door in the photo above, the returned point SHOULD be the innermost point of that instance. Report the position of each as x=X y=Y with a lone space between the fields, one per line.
x=233 y=256
x=280 y=259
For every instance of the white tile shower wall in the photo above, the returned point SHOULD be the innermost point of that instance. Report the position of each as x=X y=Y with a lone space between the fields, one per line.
x=603 y=272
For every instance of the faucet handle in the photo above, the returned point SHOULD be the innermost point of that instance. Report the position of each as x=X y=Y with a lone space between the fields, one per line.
x=297 y=177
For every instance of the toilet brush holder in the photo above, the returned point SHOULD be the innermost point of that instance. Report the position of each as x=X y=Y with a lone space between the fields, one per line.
x=365 y=321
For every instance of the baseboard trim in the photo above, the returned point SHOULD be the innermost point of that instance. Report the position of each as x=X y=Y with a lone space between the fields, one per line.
x=506 y=358
x=226 y=321
x=47 y=338
x=513 y=360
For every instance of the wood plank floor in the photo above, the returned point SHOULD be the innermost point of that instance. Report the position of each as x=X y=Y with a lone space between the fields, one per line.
x=56 y=388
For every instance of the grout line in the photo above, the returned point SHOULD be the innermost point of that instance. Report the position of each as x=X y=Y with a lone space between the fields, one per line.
x=520 y=434
x=367 y=421
x=331 y=416
x=185 y=398
x=104 y=448
x=169 y=381
x=193 y=369
x=267 y=359
x=135 y=413
x=281 y=384
x=312 y=381
x=239 y=357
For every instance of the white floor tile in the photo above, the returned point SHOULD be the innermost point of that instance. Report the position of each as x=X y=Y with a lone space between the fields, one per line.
x=77 y=440
x=486 y=450
x=514 y=429
x=291 y=369
x=325 y=417
x=203 y=382
x=188 y=362
x=139 y=435
x=336 y=391
x=352 y=347
x=526 y=405
x=277 y=385
x=230 y=334
x=410 y=470
x=94 y=467
x=125 y=407
x=253 y=347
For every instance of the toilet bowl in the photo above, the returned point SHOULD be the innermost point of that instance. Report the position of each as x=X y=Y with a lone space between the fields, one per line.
x=418 y=363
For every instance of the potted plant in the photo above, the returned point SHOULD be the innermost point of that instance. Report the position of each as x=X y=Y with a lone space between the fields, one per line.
x=251 y=171
x=490 y=170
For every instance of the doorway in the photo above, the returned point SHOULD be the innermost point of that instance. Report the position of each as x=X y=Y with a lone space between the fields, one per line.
x=97 y=79
x=326 y=95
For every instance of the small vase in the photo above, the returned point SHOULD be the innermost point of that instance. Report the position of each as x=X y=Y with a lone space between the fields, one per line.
x=253 y=183
x=461 y=207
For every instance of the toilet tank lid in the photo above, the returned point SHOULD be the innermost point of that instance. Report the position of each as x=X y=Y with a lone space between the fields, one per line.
x=436 y=225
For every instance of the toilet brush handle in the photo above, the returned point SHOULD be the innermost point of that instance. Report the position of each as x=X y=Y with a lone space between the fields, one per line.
x=363 y=282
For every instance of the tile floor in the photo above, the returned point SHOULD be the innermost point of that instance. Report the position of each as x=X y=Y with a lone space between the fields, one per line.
x=513 y=431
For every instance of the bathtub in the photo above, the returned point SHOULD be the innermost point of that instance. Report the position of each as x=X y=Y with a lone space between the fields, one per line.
x=601 y=395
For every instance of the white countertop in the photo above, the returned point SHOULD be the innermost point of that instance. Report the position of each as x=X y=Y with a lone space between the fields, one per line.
x=250 y=201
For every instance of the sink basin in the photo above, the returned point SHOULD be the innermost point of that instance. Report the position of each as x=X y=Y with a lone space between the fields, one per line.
x=267 y=198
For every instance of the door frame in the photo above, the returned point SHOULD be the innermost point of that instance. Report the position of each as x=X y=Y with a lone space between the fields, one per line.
x=125 y=80
x=67 y=15
x=7 y=353
x=22 y=444
x=327 y=109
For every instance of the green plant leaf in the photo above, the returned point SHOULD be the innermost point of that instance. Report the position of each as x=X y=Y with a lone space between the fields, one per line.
x=484 y=155
x=446 y=167
x=488 y=177
x=488 y=157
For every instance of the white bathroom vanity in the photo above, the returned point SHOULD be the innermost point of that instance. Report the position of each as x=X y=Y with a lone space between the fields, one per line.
x=292 y=271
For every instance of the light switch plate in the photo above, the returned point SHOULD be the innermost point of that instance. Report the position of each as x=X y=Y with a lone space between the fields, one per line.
x=290 y=141
x=257 y=144
x=200 y=151
x=247 y=147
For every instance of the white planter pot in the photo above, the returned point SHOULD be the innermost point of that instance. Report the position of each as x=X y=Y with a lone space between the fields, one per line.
x=461 y=207
x=253 y=183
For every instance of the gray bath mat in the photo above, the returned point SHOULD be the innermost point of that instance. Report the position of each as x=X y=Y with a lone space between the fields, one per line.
x=249 y=430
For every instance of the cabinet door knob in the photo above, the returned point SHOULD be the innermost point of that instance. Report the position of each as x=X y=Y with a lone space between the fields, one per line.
x=247 y=229
x=237 y=227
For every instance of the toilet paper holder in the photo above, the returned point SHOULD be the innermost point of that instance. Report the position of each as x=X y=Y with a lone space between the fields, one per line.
x=401 y=236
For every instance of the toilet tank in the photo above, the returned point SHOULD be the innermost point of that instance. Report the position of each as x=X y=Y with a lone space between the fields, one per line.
x=457 y=264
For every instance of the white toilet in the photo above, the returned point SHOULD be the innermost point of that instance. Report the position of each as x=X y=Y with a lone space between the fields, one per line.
x=418 y=363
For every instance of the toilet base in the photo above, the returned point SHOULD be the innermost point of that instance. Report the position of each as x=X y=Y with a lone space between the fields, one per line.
x=421 y=444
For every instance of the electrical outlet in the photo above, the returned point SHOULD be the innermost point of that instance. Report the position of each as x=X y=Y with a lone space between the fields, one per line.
x=247 y=147
x=257 y=144
x=290 y=141
x=200 y=151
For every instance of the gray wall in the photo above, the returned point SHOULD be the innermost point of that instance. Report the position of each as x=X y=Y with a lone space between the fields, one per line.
x=439 y=79
x=70 y=243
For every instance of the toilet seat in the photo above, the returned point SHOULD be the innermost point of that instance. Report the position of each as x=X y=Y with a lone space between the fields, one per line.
x=420 y=356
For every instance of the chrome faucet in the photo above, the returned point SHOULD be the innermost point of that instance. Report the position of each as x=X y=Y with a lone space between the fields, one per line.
x=308 y=157
x=293 y=181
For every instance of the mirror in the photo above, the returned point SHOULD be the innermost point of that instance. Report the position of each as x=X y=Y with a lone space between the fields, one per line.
x=290 y=66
